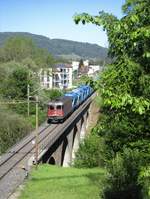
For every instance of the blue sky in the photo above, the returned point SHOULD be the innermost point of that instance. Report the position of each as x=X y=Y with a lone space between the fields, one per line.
x=53 y=18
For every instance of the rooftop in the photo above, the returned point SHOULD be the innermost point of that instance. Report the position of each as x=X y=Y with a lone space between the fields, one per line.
x=63 y=65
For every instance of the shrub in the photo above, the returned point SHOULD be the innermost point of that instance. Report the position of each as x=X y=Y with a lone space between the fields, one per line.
x=88 y=155
x=53 y=93
x=41 y=117
x=144 y=180
x=12 y=128
x=122 y=178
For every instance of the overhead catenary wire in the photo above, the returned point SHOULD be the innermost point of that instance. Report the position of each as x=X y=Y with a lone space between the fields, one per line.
x=15 y=102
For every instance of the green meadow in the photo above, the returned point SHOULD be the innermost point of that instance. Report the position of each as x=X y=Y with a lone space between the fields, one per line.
x=63 y=183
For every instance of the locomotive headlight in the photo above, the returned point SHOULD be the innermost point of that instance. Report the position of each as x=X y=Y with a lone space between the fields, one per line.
x=33 y=142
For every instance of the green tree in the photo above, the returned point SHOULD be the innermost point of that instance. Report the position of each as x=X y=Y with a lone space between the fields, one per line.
x=81 y=64
x=85 y=79
x=89 y=153
x=13 y=127
x=42 y=58
x=20 y=59
x=16 y=84
x=18 y=48
x=124 y=85
x=22 y=49
x=53 y=94
x=6 y=70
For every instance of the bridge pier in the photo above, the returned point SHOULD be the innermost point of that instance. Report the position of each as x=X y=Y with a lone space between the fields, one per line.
x=76 y=140
x=87 y=120
x=68 y=153
x=83 y=128
x=54 y=154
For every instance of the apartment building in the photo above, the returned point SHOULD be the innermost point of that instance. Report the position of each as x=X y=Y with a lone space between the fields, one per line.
x=62 y=76
x=45 y=76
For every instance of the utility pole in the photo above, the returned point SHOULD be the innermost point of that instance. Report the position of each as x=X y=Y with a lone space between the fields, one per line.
x=28 y=99
x=36 y=134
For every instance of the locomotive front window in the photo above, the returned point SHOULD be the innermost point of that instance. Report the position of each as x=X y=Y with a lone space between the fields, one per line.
x=51 y=107
x=59 y=107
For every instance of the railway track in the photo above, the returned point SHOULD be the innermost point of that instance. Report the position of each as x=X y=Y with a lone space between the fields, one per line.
x=17 y=154
x=12 y=163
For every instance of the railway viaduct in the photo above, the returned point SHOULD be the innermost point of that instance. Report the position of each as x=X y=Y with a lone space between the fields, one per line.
x=73 y=130
x=57 y=144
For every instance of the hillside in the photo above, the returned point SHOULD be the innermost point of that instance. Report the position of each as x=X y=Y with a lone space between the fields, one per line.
x=60 y=47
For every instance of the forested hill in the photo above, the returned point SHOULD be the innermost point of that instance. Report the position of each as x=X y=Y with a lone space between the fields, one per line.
x=61 y=47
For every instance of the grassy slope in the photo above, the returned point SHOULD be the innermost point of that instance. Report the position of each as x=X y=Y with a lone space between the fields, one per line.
x=63 y=183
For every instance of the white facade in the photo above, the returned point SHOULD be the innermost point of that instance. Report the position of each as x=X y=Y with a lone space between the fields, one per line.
x=62 y=76
x=75 y=65
x=46 y=78
x=86 y=63
x=93 y=69
x=59 y=76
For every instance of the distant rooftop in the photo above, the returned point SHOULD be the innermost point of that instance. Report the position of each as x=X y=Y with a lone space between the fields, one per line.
x=63 y=65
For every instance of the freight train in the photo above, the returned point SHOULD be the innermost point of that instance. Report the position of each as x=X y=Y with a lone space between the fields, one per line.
x=60 y=108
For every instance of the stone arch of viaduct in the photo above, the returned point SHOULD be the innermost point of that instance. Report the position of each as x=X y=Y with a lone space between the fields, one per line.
x=62 y=152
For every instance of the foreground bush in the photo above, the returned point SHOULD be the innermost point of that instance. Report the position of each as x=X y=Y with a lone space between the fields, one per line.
x=125 y=91
x=122 y=178
x=88 y=155
x=12 y=128
x=144 y=180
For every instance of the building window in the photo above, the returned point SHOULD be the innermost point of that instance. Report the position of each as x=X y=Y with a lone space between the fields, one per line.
x=57 y=84
x=56 y=77
x=65 y=76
